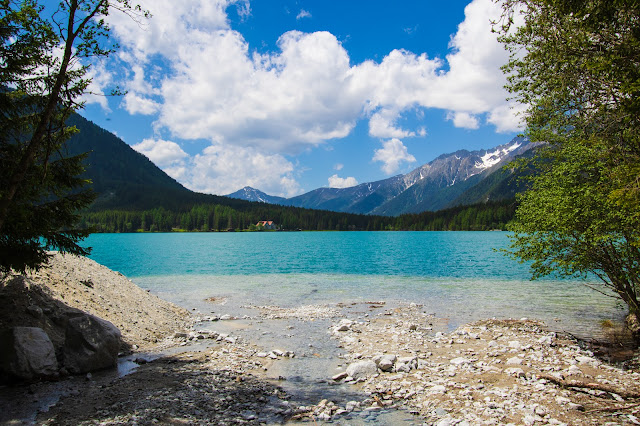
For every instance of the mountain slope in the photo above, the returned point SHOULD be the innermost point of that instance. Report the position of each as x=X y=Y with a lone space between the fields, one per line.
x=126 y=179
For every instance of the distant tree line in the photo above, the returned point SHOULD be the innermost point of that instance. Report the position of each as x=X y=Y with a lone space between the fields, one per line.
x=217 y=217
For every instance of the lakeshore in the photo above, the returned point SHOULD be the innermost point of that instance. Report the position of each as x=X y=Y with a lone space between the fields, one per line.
x=389 y=364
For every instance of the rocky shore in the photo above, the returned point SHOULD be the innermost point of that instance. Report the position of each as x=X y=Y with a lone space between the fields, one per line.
x=392 y=359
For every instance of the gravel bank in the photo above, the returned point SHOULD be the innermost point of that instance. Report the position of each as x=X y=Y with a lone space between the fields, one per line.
x=489 y=372
x=392 y=358
x=143 y=319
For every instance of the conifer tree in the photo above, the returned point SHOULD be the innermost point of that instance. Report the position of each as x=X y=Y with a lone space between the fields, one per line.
x=41 y=188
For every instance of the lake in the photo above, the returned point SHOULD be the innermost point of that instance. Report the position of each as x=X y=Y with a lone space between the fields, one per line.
x=456 y=275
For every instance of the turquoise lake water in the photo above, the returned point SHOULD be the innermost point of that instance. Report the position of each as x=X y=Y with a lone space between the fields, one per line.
x=455 y=275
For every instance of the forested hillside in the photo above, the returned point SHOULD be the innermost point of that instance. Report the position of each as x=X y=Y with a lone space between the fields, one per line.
x=216 y=217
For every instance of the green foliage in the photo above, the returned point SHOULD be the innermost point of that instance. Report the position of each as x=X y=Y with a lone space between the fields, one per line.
x=576 y=66
x=42 y=189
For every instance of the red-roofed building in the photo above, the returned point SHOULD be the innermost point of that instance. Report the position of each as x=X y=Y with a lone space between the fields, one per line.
x=266 y=224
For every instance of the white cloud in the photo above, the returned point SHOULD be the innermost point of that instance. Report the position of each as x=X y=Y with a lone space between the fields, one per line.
x=464 y=120
x=338 y=182
x=222 y=169
x=279 y=103
x=307 y=93
x=392 y=154
x=303 y=14
x=225 y=169
x=506 y=116
x=338 y=166
x=136 y=104
x=382 y=125
x=163 y=153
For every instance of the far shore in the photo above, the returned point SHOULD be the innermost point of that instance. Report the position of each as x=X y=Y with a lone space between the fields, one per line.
x=390 y=365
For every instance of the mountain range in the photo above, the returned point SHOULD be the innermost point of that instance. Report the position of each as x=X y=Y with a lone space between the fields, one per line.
x=124 y=179
x=460 y=178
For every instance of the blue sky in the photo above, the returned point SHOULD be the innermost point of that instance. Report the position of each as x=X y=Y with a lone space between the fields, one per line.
x=287 y=96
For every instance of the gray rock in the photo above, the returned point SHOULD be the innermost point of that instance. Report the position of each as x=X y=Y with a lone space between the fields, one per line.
x=515 y=372
x=27 y=353
x=406 y=364
x=91 y=343
x=514 y=361
x=340 y=376
x=362 y=369
x=35 y=311
x=344 y=325
x=385 y=362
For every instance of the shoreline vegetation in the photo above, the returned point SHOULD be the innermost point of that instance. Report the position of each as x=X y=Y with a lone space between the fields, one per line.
x=216 y=218
x=397 y=364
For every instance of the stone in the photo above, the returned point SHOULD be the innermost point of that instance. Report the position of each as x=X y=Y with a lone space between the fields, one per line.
x=344 y=325
x=546 y=340
x=35 y=311
x=351 y=405
x=385 y=362
x=515 y=344
x=459 y=361
x=437 y=389
x=514 y=361
x=406 y=364
x=515 y=372
x=587 y=360
x=574 y=370
x=362 y=369
x=91 y=343
x=340 y=376
x=27 y=353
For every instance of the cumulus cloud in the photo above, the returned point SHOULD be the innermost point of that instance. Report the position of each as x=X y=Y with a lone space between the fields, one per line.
x=137 y=104
x=337 y=182
x=464 y=120
x=225 y=169
x=382 y=125
x=162 y=153
x=392 y=155
x=165 y=154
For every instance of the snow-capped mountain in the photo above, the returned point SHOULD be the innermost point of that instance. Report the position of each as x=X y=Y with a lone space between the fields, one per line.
x=433 y=186
x=251 y=194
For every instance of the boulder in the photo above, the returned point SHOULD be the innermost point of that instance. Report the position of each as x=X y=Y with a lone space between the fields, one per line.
x=90 y=344
x=27 y=353
x=362 y=369
x=385 y=362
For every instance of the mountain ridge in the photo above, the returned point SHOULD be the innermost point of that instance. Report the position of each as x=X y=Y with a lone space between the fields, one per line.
x=433 y=186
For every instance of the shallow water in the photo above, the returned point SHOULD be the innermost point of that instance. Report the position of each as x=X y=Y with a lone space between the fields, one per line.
x=460 y=276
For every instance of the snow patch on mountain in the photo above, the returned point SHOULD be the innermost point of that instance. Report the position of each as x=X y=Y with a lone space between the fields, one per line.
x=490 y=159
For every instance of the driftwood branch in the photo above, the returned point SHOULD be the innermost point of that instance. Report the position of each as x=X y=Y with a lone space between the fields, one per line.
x=595 y=386
x=614 y=408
